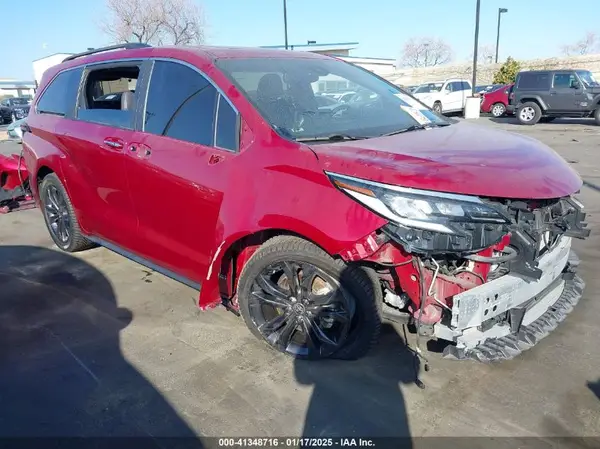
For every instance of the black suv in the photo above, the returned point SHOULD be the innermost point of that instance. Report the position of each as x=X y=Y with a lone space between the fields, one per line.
x=543 y=95
x=13 y=109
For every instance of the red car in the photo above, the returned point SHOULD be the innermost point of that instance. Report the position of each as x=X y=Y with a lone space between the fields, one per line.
x=495 y=102
x=218 y=168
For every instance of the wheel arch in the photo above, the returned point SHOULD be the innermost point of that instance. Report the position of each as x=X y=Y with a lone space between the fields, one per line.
x=534 y=99
x=233 y=253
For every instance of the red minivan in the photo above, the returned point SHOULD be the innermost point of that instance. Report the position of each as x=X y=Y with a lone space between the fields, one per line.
x=218 y=167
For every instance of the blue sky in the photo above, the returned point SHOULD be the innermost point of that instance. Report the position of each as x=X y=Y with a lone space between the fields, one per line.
x=531 y=28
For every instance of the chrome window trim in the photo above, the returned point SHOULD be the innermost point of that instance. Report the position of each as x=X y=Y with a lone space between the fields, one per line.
x=216 y=114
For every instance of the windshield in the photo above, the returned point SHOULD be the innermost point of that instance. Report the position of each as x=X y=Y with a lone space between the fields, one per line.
x=19 y=101
x=285 y=92
x=428 y=88
x=587 y=78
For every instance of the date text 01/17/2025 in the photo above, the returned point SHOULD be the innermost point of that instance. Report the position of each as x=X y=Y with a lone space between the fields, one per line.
x=295 y=442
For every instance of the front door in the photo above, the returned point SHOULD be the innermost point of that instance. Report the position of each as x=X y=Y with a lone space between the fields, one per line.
x=566 y=93
x=179 y=168
x=97 y=140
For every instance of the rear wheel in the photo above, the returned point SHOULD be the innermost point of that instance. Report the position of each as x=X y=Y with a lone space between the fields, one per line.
x=60 y=217
x=498 y=110
x=308 y=305
x=597 y=116
x=529 y=113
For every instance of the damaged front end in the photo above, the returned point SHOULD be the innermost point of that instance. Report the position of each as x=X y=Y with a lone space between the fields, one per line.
x=14 y=184
x=492 y=276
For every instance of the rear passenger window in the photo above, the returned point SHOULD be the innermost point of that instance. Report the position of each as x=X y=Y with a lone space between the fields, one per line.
x=533 y=80
x=60 y=96
x=109 y=96
x=184 y=105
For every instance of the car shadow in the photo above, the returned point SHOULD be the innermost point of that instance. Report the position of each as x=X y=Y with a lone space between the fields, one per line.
x=595 y=387
x=361 y=398
x=512 y=120
x=62 y=371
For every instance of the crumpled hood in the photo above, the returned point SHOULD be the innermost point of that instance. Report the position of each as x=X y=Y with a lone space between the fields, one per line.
x=461 y=158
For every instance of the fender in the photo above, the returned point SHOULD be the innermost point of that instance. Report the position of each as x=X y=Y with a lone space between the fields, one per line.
x=535 y=98
x=270 y=226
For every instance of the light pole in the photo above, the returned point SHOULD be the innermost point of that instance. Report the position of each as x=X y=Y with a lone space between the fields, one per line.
x=285 y=22
x=476 y=44
x=500 y=12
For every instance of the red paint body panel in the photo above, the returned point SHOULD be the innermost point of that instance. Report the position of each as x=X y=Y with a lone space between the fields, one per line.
x=462 y=158
x=182 y=206
x=9 y=171
x=496 y=96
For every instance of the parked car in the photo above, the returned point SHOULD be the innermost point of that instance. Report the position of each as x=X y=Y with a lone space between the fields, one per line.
x=314 y=231
x=496 y=101
x=543 y=95
x=14 y=131
x=444 y=96
x=487 y=88
x=13 y=109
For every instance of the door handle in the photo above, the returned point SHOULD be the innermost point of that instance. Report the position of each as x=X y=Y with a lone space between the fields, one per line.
x=215 y=159
x=113 y=143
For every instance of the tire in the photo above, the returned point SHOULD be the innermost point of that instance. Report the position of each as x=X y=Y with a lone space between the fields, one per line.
x=13 y=118
x=55 y=202
x=437 y=107
x=498 y=109
x=597 y=116
x=529 y=113
x=357 y=288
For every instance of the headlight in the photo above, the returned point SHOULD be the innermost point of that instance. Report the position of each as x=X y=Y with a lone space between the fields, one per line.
x=429 y=221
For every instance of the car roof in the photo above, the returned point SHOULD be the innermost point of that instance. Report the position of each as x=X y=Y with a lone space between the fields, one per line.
x=210 y=52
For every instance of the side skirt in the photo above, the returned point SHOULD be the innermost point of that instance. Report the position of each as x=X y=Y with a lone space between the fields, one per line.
x=129 y=255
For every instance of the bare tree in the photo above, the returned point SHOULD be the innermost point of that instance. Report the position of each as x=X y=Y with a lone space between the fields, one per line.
x=588 y=44
x=161 y=22
x=486 y=54
x=425 y=52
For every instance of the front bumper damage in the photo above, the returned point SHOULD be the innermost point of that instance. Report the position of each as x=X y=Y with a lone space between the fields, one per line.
x=501 y=318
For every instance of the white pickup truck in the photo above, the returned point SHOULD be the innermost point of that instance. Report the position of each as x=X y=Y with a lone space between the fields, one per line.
x=444 y=96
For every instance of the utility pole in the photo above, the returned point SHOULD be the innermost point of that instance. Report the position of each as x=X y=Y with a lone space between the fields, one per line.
x=500 y=12
x=476 y=44
x=285 y=22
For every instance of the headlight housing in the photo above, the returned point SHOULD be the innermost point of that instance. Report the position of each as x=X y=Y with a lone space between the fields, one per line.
x=427 y=221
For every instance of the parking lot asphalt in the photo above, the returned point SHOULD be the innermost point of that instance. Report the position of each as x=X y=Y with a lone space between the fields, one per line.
x=96 y=345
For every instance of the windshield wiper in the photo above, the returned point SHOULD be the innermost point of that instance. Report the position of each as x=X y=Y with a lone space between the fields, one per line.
x=331 y=138
x=416 y=128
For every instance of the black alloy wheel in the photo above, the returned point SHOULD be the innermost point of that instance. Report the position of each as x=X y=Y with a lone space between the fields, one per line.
x=300 y=309
x=57 y=215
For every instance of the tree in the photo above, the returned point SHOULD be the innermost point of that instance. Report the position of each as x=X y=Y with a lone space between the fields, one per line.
x=508 y=72
x=588 y=44
x=160 y=22
x=485 y=54
x=425 y=52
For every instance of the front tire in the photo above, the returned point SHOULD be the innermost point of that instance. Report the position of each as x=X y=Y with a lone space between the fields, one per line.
x=59 y=216
x=306 y=304
x=529 y=113
x=597 y=116
x=437 y=108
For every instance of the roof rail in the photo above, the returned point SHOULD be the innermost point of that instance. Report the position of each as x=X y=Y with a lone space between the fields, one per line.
x=126 y=46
